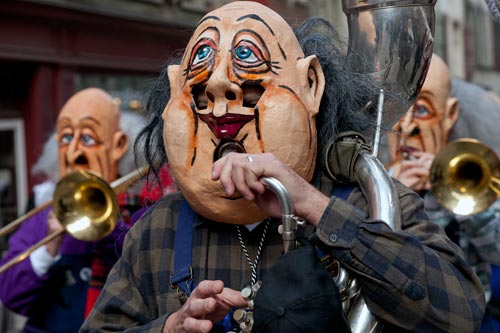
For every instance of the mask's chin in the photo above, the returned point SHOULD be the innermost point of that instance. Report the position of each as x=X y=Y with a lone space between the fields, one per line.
x=223 y=210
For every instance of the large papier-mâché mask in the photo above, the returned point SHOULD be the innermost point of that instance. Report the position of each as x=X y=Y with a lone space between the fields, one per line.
x=243 y=80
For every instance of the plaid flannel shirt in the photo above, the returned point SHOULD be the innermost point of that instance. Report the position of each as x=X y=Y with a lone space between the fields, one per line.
x=478 y=235
x=414 y=279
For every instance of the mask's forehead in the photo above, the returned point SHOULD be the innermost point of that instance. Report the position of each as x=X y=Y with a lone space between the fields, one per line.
x=246 y=16
x=437 y=84
x=92 y=104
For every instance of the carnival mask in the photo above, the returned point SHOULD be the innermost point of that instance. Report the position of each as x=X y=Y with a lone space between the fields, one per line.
x=243 y=83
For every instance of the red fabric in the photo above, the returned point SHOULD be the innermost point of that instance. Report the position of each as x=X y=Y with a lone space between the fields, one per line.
x=99 y=274
x=92 y=295
x=152 y=191
x=128 y=199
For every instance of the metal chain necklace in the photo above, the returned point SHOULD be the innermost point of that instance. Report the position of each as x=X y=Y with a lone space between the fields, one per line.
x=253 y=265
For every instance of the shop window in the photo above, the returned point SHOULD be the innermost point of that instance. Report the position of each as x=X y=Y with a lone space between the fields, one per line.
x=13 y=183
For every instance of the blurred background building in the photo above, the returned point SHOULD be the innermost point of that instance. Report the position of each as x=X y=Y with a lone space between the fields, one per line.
x=49 y=49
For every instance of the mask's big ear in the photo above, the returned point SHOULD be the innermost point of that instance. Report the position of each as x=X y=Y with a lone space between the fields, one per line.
x=120 y=145
x=309 y=71
x=451 y=116
x=174 y=78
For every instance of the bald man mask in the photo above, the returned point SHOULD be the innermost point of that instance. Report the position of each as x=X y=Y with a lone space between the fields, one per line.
x=243 y=83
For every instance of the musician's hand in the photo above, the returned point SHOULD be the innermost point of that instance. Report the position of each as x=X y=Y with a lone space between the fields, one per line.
x=209 y=303
x=414 y=171
x=54 y=226
x=237 y=174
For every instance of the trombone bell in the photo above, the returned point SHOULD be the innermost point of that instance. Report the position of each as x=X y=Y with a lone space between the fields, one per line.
x=464 y=176
x=85 y=205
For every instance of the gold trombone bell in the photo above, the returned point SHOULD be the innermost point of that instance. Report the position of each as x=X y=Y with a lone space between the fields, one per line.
x=465 y=176
x=86 y=206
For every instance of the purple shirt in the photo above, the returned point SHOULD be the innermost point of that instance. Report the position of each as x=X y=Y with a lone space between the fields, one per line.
x=20 y=286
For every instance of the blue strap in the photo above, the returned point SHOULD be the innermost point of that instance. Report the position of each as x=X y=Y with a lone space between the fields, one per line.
x=342 y=191
x=183 y=272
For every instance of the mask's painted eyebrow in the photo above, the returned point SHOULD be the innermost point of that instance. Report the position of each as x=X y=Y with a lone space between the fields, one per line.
x=211 y=17
x=67 y=120
x=91 y=119
x=257 y=18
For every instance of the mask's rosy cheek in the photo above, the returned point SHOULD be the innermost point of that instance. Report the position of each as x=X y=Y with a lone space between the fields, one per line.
x=179 y=130
x=288 y=130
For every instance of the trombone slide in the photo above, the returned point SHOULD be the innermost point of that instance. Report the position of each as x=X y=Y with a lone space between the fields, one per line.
x=23 y=255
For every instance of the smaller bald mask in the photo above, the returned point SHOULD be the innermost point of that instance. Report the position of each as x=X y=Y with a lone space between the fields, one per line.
x=89 y=136
x=427 y=124
x=243 y=83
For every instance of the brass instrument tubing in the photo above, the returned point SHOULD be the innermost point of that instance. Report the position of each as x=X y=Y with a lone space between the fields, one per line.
x=17 y=222
x=23 y=255
x=494 y=185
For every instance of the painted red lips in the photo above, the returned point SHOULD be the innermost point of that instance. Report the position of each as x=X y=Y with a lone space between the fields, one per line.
x=407 y=151
x=227 y=126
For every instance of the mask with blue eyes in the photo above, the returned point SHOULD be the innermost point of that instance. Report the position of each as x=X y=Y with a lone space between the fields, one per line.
x=243 y=84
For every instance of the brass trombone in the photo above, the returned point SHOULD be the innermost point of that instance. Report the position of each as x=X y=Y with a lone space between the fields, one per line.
x=465 y=176
x=84 y=203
